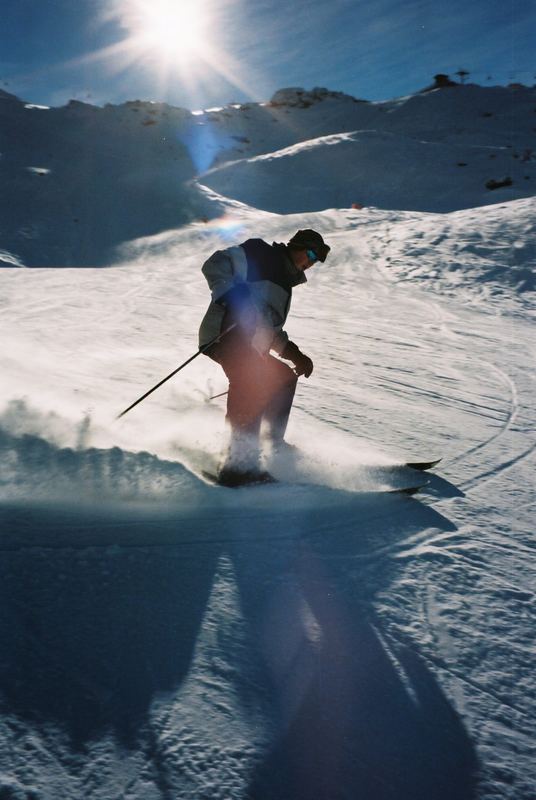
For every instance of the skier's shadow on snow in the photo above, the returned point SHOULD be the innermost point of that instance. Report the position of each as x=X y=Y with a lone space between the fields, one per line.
x=89 y=637
x=94 y=631
x=101 y=605
x=357 y=712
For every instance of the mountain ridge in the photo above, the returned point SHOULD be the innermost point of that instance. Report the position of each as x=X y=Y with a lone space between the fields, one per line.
x=81 y=180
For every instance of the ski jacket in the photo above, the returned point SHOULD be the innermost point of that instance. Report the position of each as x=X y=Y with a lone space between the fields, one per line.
x=270 y=276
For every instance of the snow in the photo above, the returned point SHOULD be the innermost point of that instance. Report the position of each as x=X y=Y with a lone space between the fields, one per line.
x=162 y=637
x=321 y=150
x=296 y=177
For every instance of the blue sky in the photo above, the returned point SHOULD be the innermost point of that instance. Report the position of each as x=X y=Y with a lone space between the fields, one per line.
x=54 y=50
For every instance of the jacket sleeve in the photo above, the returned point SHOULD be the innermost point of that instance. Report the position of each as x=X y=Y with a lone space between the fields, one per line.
x=269 y=334
x=223 y=270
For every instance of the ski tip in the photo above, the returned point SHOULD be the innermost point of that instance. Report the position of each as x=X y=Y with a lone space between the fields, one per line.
x=409 y=490
x=422 y=466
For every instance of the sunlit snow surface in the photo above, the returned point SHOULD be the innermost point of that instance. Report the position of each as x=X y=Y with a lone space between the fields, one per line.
x=163 y=638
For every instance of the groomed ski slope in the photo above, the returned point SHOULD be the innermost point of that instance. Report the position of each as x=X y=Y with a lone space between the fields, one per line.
x=166 y=639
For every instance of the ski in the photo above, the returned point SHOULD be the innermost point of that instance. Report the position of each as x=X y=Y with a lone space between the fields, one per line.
x=409 y=490
x=212 y=478
x=422 y=466
x=264 y=479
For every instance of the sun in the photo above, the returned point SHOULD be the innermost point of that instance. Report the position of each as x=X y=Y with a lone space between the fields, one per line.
x=172 y=31
x=176 y=43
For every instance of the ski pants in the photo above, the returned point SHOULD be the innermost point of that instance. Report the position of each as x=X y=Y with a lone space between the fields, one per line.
x=261 y=388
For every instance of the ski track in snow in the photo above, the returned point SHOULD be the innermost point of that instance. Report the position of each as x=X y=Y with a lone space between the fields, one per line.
x=184 y=641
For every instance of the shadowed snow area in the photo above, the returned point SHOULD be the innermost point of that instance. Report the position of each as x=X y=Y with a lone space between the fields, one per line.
x=79 y=181
x=162 y=637
x=372 y=168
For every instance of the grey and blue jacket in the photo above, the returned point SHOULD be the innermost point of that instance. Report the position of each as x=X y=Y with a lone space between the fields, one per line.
x=270 y=276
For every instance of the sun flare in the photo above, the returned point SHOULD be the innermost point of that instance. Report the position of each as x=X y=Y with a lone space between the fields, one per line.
x=169 y=30
x=178 y=42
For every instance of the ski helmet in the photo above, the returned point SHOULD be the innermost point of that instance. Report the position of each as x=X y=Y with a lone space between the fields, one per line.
x=310 y=240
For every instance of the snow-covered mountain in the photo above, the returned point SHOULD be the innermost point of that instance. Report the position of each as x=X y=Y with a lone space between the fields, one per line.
x=316 y=639
x=80 y=180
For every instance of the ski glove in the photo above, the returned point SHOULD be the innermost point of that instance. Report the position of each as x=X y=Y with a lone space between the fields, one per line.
x=302 y=363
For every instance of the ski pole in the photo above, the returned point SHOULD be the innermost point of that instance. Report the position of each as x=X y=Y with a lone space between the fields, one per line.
x=171 y=374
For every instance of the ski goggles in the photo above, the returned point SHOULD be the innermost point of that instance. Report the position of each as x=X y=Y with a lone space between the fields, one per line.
x=312 y=256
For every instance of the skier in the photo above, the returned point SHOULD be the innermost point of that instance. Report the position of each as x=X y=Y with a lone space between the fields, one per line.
x=251 y=286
